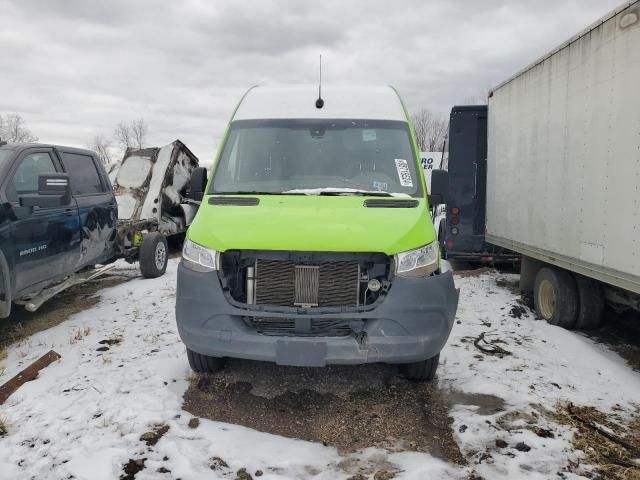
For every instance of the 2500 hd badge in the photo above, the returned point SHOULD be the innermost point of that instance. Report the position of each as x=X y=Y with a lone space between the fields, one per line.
x=29 y=251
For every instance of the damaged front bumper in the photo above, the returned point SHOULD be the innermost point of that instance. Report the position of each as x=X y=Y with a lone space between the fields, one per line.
x=410 y=324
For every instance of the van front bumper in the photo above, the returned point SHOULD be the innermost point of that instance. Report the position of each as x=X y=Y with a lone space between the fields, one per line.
x=412 y=323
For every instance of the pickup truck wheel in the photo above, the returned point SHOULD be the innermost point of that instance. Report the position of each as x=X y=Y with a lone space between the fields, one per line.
x=422 y=371
x=555 y=296
x=154 y=255
x=591 y=305
x=203 y=363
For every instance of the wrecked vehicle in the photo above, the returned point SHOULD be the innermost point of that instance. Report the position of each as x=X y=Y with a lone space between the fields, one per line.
x=60 y=224
x=58 y=219
x=151 y=190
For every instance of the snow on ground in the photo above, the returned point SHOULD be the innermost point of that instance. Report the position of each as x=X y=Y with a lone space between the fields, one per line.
x=546 y=365
x=84 y=415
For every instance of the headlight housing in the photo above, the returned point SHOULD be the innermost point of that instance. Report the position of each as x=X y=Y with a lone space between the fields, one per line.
x=420 y=262
x=198 y=258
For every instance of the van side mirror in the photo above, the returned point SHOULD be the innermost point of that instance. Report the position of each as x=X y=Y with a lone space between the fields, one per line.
x=198 y=184
x=439 y=187
x=54 y=190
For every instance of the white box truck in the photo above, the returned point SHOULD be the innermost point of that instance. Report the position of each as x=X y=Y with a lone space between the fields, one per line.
x=563 y=171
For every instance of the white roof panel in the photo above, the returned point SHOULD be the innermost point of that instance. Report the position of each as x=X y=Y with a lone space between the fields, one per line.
x=299 y=101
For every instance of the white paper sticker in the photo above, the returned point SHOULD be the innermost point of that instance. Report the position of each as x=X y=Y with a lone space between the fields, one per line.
x=404 y=173
x=369 y=135
x=380 y=186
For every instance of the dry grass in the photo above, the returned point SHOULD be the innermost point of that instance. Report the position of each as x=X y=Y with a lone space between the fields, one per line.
x=472 y=273
x=4 y=427
x=23 y=324
x=18 y=331
x=152 y=338
x=105 y=422
x=610 y=443
x=79 y=334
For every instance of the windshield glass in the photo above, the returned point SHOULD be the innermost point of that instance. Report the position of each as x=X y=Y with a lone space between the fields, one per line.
x=317 y=157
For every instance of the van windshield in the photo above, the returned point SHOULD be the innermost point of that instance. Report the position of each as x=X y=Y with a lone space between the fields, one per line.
x=317 y=157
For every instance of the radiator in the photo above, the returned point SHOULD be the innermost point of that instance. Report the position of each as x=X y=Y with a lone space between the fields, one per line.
x=325 y=284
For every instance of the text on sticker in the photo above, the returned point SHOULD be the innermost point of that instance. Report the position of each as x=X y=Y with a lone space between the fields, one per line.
x=404 y=174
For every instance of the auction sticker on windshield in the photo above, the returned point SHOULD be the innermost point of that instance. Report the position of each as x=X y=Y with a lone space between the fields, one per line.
x=404 y=173
x=369 y=135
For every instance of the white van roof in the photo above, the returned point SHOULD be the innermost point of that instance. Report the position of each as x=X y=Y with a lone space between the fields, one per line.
x=299 y=101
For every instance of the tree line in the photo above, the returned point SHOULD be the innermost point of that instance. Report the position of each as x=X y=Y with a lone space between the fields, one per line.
x=126 y=135
x=13 y=129
x=110 y=148
x=431 y=130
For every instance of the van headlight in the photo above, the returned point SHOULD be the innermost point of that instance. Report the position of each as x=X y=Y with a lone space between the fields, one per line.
x=420 y=262
x=198 y=258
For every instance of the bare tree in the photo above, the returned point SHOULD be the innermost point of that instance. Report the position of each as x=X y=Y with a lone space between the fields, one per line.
x=131 y=135
x=123 y=137
x=102 y=146
x=13 y=130
x=139 y=132
x=431 y=130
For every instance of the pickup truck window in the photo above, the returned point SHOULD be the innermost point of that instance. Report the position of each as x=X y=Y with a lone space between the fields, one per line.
x=25 y=179
x=82 y=173
x=4 y=156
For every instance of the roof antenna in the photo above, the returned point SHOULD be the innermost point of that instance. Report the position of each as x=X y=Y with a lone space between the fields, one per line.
x=320 y=101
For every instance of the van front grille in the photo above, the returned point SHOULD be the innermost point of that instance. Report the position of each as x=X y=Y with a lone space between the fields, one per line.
x=301 y=327
x=307 y=285
x=325 y=284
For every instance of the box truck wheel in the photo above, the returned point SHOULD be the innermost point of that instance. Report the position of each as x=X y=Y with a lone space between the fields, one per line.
x=591 y=303
x=203 y=363
x=154 y=255
x=555 y=296
x=425 y=370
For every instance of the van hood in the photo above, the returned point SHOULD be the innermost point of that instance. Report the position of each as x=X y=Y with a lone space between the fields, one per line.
x=312 y=224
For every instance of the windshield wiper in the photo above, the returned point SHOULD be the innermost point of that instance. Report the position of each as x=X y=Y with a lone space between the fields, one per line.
x=254 y=192
x=338 y=191
x=363 y=193
x=311 y=192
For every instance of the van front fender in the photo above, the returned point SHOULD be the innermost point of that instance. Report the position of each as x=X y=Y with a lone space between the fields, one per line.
x=5 y=287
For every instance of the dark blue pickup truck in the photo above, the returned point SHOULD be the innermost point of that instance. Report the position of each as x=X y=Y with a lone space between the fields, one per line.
x=58 y=218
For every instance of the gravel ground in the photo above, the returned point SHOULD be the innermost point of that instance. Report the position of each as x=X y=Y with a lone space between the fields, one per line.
x=349 y=407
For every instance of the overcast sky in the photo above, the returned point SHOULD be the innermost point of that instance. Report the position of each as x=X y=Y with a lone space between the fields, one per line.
x=74 y=68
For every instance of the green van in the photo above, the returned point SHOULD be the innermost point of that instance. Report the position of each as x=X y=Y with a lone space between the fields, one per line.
x=313 y=244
